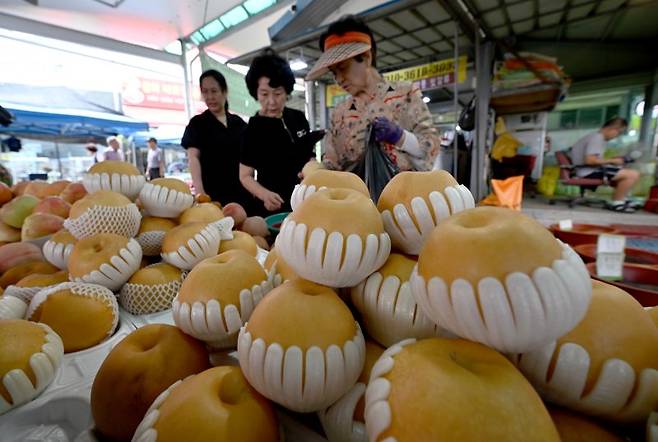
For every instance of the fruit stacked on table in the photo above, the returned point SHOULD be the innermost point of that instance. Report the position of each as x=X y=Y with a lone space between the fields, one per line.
x=420 y=317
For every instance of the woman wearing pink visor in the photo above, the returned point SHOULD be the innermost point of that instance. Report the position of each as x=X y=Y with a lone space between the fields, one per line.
x=400 y=120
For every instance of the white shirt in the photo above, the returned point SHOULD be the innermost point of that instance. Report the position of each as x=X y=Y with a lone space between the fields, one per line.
x=154 y=158
x=111 y=154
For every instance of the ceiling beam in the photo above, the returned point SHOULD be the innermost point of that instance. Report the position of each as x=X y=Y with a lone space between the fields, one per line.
x=610 y=26
x=463 y=17
x=21 y=24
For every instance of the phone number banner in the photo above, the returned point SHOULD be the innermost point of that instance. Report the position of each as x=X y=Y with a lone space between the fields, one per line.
x=444 y=69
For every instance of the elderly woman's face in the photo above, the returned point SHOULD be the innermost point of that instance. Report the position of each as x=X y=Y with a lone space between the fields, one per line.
x=271 y=99
x=351 y=75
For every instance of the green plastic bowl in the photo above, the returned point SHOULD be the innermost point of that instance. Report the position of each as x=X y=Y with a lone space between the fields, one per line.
x=274 y=222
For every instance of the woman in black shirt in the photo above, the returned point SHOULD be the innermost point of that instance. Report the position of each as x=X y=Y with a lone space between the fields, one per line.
x=277 y=142
x=212 y=140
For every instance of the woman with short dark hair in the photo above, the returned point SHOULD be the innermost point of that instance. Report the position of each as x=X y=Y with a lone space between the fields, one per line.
x=212 y=140
x=278 y=141
x=400 y=119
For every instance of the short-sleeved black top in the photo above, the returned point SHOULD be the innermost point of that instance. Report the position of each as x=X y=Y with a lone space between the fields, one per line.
x=220 y=155
x=275 y=147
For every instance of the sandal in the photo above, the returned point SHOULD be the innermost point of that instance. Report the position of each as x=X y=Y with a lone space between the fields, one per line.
x=620 y=207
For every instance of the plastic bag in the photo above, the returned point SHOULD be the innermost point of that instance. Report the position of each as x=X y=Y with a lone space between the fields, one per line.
x=467 y=116
x=506 y=193
x=375 y=168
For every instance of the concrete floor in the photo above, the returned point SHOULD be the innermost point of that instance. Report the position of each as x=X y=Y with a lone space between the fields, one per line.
x=547 y=214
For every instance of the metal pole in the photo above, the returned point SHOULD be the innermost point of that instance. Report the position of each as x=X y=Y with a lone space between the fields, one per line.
x=309 y=95
x=186 y=80
x=455 y=103
x=59 y=161
x=483 y=60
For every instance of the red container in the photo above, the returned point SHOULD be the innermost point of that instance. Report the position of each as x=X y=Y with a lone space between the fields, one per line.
x=640 y=282
x=581 y=233
x=638 y=257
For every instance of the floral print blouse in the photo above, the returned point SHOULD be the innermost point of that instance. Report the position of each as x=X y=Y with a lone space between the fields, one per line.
x=401 y=103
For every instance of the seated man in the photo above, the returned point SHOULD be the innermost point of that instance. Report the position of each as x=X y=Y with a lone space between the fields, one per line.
x=587 y=153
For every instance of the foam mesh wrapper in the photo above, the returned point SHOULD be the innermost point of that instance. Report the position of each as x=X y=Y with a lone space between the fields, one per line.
x=128 y=185
x=519 y=314
x=164 y=202
x=216 y=324
x=121 y=267
x=302 y=381
x=409 y=231
x=330 y=258
x=44 y=365
x=122 y=221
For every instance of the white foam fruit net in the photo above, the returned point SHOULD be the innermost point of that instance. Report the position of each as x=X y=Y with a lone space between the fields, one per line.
x=141 y=299
x=151 y=242
x=122 y=221
x=164 y=202
x=128 y=185
x=57 y=253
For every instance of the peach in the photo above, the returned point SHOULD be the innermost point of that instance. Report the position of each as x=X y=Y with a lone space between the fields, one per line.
x=55 y=188
x=261 y=242
x=40 y=224
x=73 y=192
x=15 y=211
x=255 y=225
x=235 y=211
x=9 y=234
x=5 y=193
x=36 y=188
x=53 y=204
x=19 y=188
x=14 y=254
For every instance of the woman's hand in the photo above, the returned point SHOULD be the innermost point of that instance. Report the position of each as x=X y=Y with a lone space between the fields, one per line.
x=271 y=200
x=387 y=131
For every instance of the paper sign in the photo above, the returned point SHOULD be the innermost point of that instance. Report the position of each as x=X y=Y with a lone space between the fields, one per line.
x=610 y=266
x=611 y=244
x=566 y=224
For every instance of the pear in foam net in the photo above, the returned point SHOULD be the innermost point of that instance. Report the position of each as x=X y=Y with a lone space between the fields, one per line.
x=27 y=287
x=452 y=390
x=607 y=366
x=344 y=420
x=201 y=213
x=151 y=289
x=575 y=427
x=335 y=237
x=105 y=259
x=83 y=315
x=326 y=179
x=151 y=234
x=302 y=347
x=166 y=197
x=140 y=367
x=388 y=309
x=413 y=203
x=58 y=248
x=218 y=297
x=117 y=176
x=30 y=355
x=103 y=212
x=187 y=245
x=498 y=277
x=217 y=404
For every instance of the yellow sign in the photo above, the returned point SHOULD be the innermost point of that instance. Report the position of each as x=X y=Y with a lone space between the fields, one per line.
x=429 y=70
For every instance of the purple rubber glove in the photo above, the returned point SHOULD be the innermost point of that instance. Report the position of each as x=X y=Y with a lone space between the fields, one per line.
x=386 y=131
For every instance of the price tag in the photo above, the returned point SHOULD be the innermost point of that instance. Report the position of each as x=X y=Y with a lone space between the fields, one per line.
x=566 y=224
x=610 y=244
x=610 y=266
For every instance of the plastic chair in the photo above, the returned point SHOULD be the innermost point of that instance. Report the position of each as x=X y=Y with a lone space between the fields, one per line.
x=569 y=177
